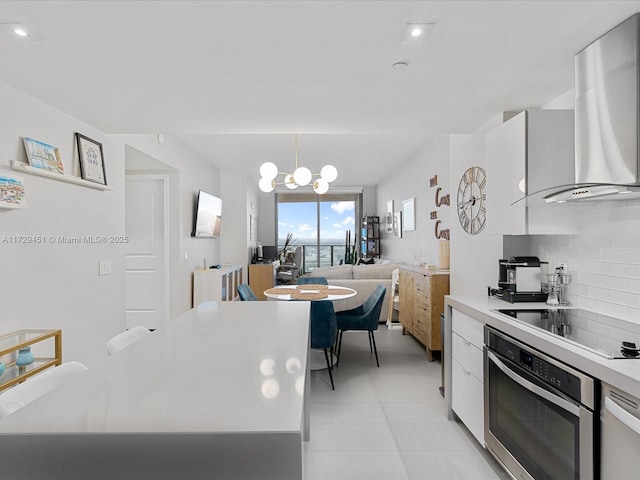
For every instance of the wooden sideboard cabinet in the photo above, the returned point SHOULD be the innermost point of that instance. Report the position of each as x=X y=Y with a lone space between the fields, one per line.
x=421 y=303
x=220 y=284
x=262 y=276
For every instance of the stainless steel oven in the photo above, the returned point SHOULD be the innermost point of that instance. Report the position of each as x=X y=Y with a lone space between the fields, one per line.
x=539 y=413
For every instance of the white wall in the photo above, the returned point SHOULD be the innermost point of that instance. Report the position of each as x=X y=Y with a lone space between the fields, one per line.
x=54 y=285
x=411 y=179
x=474 y=258
x=234 y=228
x=194 y=173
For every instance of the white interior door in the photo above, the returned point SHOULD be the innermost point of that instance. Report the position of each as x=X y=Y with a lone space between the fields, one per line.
x=146 y=265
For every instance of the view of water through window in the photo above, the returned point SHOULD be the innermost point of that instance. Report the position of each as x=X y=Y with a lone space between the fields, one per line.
x=320 y=227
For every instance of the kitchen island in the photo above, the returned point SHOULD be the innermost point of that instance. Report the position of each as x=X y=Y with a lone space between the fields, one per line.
x=219 y=392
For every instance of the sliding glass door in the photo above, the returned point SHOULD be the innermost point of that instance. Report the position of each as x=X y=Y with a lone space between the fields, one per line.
x=324 y=225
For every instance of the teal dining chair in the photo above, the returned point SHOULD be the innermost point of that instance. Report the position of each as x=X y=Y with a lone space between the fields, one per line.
x=323 y=324
x=365 y=317
x=316 y=280
x=246 y=294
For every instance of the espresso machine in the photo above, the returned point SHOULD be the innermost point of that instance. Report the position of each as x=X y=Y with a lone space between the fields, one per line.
x=520 y=280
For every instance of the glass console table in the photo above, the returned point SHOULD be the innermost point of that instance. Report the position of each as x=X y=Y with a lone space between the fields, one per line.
x=46 y=347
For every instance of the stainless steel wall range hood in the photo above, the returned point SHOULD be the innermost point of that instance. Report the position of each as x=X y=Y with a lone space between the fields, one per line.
x=607 y=150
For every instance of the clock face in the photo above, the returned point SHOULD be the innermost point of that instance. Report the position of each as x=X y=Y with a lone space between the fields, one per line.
x=472 y=211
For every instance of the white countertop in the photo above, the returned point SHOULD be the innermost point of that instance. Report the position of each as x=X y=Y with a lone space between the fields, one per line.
x=227 y=367
x=621 y=373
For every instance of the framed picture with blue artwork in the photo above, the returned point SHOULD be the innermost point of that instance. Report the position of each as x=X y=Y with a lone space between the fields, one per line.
x=91 y=160
x=43 y=156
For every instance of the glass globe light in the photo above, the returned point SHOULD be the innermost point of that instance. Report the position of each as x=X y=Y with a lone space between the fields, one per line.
x=320 y=186
x=269 y=170
x=266 y=184
x=290 y=182
x=329 y=173
x=302 y=175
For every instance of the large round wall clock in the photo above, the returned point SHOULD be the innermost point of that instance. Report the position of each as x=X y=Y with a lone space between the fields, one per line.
x=472 y=211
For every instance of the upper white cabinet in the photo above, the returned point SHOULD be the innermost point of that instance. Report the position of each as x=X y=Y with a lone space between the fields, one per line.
x=530 y=152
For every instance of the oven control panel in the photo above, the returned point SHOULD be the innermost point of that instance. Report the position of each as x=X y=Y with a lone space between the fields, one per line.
x=535 y=363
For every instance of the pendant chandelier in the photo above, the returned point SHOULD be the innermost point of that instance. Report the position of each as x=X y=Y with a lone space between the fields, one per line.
x=301 y=176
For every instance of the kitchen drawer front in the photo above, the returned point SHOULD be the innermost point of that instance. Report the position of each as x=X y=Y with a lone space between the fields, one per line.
x=468 y=328
x=468 y=355
x=467 y=400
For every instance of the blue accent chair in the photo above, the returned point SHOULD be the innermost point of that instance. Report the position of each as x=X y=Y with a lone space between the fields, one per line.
x=364 y=317
x=246 y=294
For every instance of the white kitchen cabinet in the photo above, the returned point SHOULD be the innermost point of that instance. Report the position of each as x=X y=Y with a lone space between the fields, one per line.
x=467 y=377
x=533 y=150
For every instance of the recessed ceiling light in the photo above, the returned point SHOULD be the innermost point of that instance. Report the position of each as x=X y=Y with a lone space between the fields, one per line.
x=417 y=31
x=19 y=31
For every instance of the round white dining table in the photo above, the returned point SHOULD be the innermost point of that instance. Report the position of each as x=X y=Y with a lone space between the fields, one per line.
x=334 y=293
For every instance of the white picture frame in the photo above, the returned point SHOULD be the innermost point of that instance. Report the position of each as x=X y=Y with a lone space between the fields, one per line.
x=397 y=224
x=389 y=217
x=408 y=215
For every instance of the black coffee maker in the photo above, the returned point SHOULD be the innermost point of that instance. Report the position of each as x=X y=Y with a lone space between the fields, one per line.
x=520 y=280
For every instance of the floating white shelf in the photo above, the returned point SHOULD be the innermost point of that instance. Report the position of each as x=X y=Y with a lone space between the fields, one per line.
x=23 y=167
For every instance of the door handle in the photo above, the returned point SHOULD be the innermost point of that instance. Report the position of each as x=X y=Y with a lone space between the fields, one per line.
x=532 y=387
x=621 y=414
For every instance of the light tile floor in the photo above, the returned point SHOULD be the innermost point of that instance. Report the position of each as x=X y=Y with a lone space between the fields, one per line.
x=388 y=423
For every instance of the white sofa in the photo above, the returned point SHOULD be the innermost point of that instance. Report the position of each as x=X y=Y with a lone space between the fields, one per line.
x=363 y=279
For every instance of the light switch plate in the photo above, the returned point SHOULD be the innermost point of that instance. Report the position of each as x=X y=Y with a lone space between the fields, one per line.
x=104 y=267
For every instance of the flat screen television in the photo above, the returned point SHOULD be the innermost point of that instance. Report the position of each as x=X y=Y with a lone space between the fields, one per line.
x=208 y=214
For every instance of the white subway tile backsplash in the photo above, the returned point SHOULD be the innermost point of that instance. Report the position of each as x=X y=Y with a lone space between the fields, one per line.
x=625 y=298
x=612 y=309
x=613 y=254
x=600 y=293
x=603 y=259
x=599 y=267
x=611 y=282
x=626 y=213
x=631 y=285
x=626 y=270
x=632 y=255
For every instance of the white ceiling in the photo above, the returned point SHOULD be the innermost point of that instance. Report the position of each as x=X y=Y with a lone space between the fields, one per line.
x=236 y=79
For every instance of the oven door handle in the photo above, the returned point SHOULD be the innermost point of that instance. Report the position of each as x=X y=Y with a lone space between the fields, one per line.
x=532 y=387
x=622 y=415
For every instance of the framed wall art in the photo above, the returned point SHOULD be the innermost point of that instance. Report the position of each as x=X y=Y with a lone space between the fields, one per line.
x=389 y=216
x=12 y=192
x=397 y=224
x=91 y=160
x=408 y=215
x=42 y=155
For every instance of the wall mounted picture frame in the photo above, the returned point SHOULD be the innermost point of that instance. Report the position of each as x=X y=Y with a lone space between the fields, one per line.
x=12 y=192
x=91 y=160
x=408 y=215
x=43 y=156
x=389 y=217
x=397 y=224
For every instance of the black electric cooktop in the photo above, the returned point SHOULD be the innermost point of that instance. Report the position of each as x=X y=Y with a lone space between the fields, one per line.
x=607 y=336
